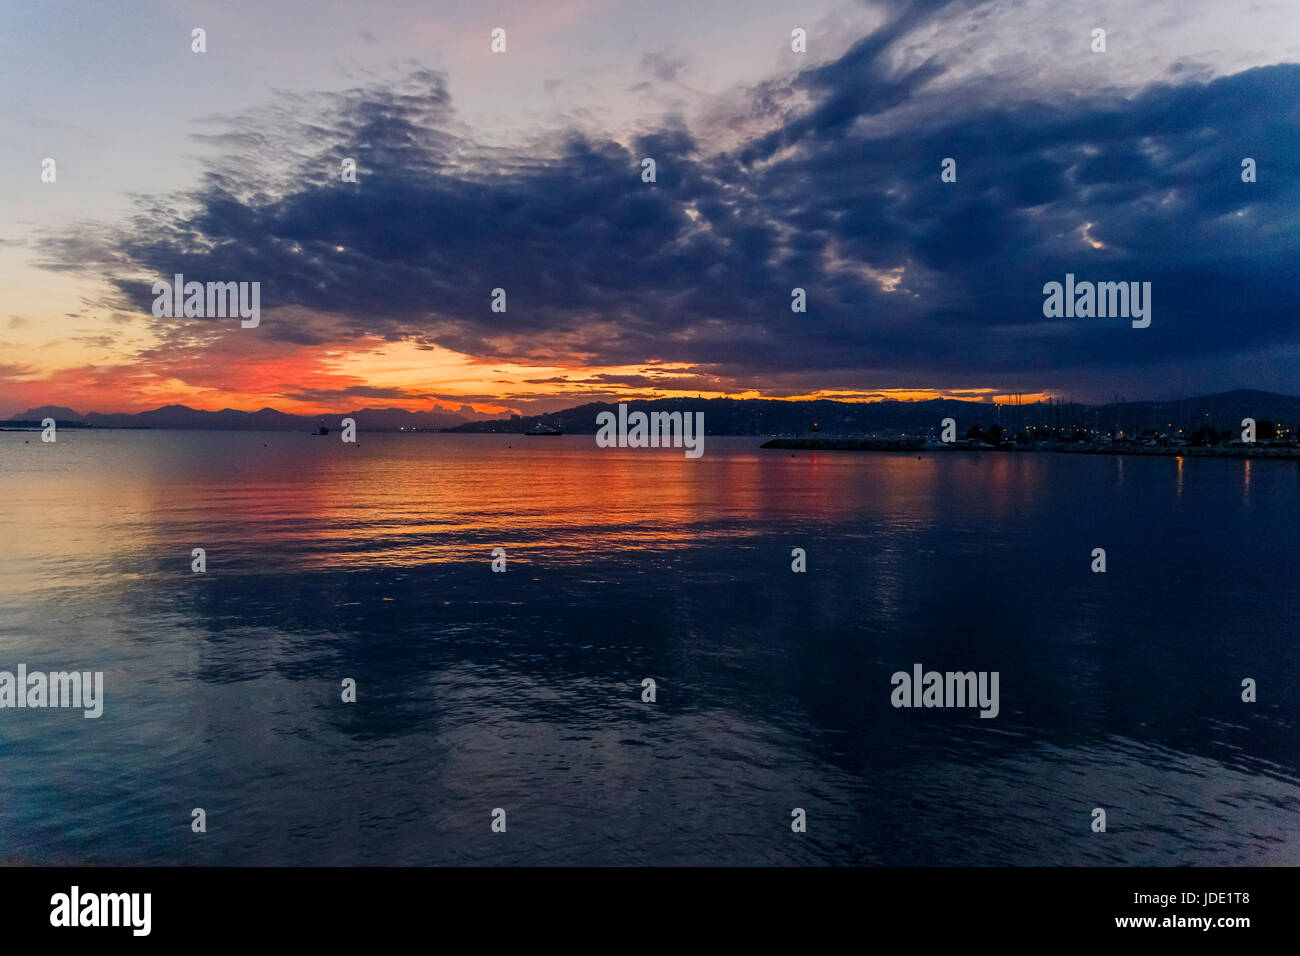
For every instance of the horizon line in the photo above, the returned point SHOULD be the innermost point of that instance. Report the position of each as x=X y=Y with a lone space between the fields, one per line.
x=991 y=401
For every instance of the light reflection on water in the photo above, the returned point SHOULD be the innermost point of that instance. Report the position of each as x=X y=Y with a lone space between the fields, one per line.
x=522 y=690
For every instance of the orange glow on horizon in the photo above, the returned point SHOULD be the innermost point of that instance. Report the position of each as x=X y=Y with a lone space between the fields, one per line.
x=213 y=368
x=131 y=390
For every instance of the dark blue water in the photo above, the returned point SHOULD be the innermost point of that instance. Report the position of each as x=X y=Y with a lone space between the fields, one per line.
x=522 y=690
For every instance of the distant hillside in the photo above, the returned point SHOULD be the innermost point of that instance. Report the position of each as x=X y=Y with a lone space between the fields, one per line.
x=728 y=416
x=229 y=419
x=57 y=412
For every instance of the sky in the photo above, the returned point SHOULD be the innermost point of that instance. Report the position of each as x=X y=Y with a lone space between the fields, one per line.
x=522 y=170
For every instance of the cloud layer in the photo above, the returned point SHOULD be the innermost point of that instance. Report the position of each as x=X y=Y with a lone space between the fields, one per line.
x=834 y=187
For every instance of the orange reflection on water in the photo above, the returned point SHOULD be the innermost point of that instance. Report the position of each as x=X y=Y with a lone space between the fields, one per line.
x=108 y=504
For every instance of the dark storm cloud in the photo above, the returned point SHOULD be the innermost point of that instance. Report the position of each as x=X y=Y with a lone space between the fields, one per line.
x=910 y=281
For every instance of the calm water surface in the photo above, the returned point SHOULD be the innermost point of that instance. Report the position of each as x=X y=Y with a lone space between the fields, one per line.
x=522 y=690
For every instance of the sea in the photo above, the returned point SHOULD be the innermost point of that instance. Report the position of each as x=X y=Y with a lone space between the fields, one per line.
x=504 y=716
